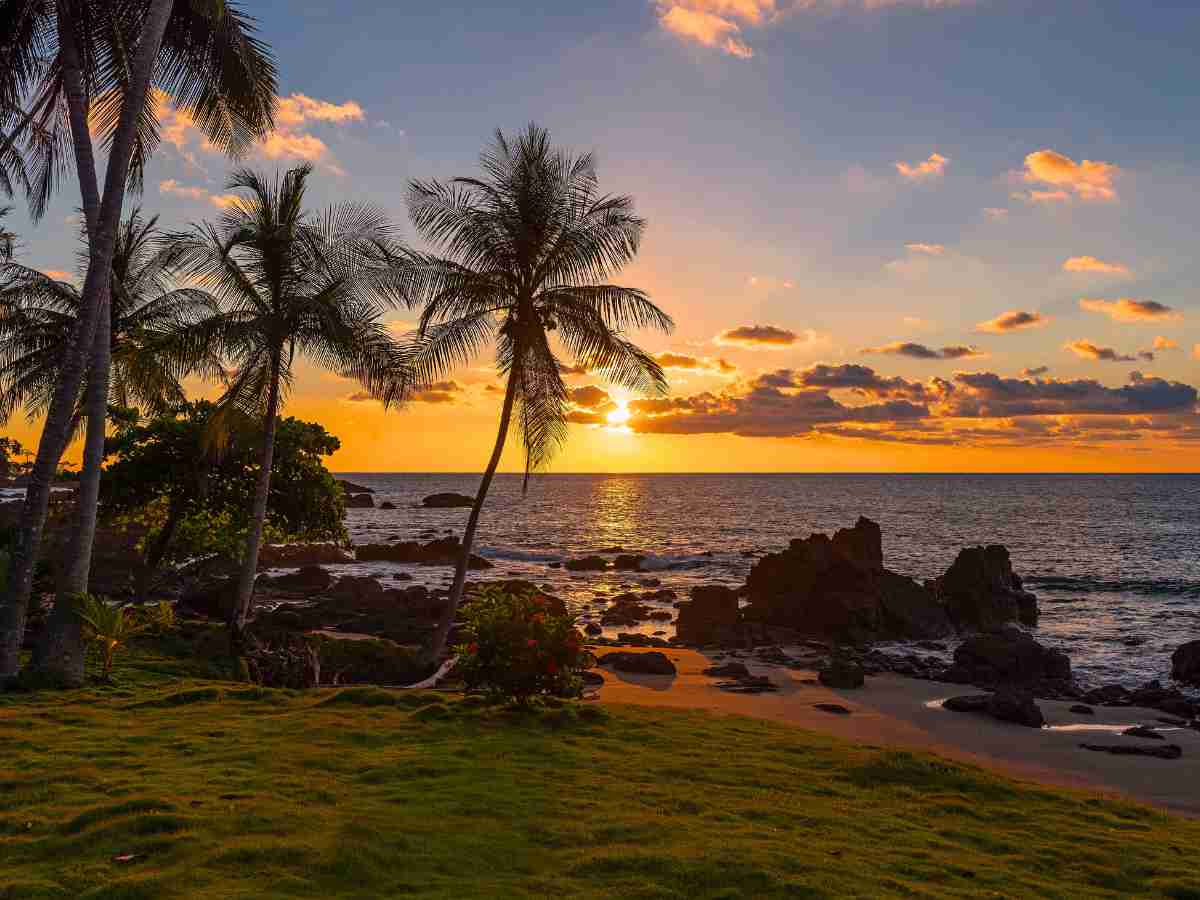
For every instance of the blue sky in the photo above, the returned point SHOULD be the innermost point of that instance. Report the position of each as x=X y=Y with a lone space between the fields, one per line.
x=762 y=140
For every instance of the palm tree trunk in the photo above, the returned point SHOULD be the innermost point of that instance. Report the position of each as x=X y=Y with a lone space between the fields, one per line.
x=242 y=606
x=60 y=654
x=438 y=644
x=102 y=231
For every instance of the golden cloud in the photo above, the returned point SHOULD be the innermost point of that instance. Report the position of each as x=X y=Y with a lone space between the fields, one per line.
x=1092 y=264
x=1012 y=320
x=1086 y=180
x=920 y=351
x=704 y=27
x=193 y=192
x=59 y=275
x=1126 y=309
x=1165 y=343
x=927 y=249
x=700 y=365
x=1085 y=349
x=755 y=337
x=932 y=167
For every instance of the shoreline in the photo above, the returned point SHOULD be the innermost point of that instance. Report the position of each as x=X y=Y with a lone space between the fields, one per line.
x=891 y=711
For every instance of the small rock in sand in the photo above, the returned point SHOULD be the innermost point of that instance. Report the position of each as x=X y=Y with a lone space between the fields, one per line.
x=833 y=708
x=1143 y=731
x=1081 y=710
x=1162 y=751
x=728 y=670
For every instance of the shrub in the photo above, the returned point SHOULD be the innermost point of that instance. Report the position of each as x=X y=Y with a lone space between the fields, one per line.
x=520 y=644
x=106 y=627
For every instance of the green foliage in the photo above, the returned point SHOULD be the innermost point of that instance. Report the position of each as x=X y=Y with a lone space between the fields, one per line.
x=106 y=627
x=11 y=452
x=195 y=498
x=519 y=645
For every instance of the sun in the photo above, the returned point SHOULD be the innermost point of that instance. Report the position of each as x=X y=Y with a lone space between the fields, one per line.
x=620 y=415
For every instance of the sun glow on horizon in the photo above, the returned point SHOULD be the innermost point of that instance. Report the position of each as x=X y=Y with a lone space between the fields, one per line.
x=620 y=415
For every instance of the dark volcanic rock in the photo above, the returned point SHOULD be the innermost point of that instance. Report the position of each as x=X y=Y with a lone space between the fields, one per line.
x=593 y=629
x=1185 y=663
x=1160 y=751
x=652 y=663
x=842 y=673
x=1010 y=655
x=271 y=556
x=387 y=504
x=981 y=591
x=447 y=500
x=586 y=564
x=1080 y=710
x=627 y=609
x=1143 y=731
x=728 y=670
x=970 y=703
x=838 y=588
x=1012 y=705
x=441 y=552
x=628 y=562
x=833 y=708
x=349 y=487
x=309 y=579
x=710 y=617
x=360 y=501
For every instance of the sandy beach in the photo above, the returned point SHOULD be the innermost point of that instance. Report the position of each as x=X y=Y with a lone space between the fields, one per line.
x=903 y=712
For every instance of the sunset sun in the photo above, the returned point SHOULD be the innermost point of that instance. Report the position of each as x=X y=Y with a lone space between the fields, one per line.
x=620 y=415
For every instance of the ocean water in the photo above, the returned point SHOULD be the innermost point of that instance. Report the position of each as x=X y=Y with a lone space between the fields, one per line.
x=1115 y=560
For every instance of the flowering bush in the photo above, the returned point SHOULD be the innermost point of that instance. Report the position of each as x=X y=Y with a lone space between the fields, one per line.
x=518 y=644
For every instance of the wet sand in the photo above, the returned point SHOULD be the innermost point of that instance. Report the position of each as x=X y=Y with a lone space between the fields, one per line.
x=892 y=711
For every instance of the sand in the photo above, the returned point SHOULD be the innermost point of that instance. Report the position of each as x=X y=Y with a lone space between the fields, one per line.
x=893 y=711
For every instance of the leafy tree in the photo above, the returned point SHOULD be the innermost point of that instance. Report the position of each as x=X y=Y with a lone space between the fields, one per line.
x=528 y=250
x=196 y=497
x=290 y=283
x=71 y=69
x=10 y=452
x=38 y=313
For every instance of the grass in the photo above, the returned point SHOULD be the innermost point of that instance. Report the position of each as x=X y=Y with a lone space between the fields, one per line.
x=170 y=784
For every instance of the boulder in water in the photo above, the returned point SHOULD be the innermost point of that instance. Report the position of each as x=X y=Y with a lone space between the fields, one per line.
x=272 y=556
x=349 y=487
x=447 y=500
x=981 y=591
x=586 y=564
x=360 y=501
x=440 y=552
x=1185 y=663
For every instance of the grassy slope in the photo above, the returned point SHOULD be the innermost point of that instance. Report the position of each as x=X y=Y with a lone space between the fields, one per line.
x=226 y=791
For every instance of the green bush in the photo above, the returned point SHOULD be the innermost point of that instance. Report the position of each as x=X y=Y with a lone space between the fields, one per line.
x=520 y=644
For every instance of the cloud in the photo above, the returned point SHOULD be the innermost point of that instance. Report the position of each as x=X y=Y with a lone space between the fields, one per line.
x=1085 y=349
x=1165 y=343
x=1012 y=320
x=566 y=370
x=920 y=351
x=861 y=380
x=1035 y=371
x=987 y=395
x=439 y=392
x=297 y=109
x=1091 y=264
x=1087 y=180
x=700 y=365
x=1126 y=309
x=762 y=336
x=59 y=275
x=192 y=192
x=932 y=167
x=590 y=404
x=995 y=213
x=927 y=249
x=712 y=24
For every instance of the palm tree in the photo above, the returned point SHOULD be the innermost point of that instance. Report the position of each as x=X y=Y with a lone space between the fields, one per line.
x=68 y=69
x=38 y=312
x=529 y=249
x=289 y=283
x=8 y=240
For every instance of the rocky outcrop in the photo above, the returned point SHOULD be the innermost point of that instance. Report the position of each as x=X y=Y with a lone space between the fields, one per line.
x=1007 y=705
x=586 y=564
x=1007 y=656
x=838 y=588
x=844 y=674
x=710 y=617
x=1185 y=663
x=980 y=590
x=628 y=562
x=441 y=552
x=282 y=556
x=360 y=501
x=349 y=487
x=309 y=579
x=447 y=500
x=650 y=663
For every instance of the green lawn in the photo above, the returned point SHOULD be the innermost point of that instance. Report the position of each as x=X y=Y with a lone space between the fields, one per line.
x=222 y=791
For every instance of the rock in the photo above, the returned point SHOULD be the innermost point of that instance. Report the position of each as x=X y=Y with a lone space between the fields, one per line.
x=277 y=556
x=593 y=629
x=586 y=564
x=387 y=504
x=710 y=617
x=1010 y=655
x=591 y=679
x=440 y=552
x=1185 y=663
x=1012 y=705
x=626 y=610
x=833 y=708
x=309 y=579
x=1081 y=710
x=1168 y=700
x=651 y=663
x=447 y=500
x=842 y=673
x=728 y=670
x=628 y=562
x=750 y=684
x=1108 y=695
x=837 y=588
x=1162 y=751
x=360 y=501
x=981 y=591
x=349 y=487
x=1143 y=731
x=971 y=703
x=1173 y=722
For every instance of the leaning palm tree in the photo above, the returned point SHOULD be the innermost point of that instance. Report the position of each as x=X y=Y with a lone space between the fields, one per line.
x=289 y=283
x=74 y=72
x=38 y=312
x=528 y=250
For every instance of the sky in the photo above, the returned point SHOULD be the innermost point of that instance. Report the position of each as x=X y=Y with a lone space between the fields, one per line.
x=895 y=235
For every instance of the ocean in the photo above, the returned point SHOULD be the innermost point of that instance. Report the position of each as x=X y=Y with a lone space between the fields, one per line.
x=1114 y=559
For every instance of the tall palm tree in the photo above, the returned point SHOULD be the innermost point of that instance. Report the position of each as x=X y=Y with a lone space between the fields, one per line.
x=528 y=250
x=38 y=312
x=68 y=69
x=8 y=240
x=289 y=283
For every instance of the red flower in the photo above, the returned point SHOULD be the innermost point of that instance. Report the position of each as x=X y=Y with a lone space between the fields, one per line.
x=551 y=667
x=538 y=618
x=531 y=643
x=472 y=649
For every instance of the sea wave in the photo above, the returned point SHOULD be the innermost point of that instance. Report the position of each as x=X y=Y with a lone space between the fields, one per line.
x=514 y=555
x=1165 y=587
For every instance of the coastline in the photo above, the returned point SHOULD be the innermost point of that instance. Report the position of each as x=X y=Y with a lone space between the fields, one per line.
x=891 y=711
